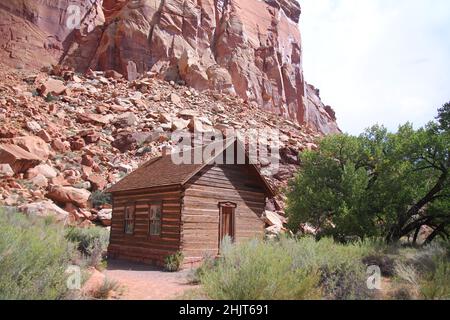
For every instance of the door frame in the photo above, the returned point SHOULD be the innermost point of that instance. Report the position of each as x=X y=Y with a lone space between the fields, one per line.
x=233 y=206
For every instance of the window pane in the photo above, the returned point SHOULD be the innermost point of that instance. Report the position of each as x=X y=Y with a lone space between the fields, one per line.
x=155 y=220
x=129 y=219
x=129 y=227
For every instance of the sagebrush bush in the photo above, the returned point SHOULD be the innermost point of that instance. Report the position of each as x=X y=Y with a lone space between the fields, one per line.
x=104 y=291
x=257 y=270
x=436 y=285
x=174 y=262
x=91 y=242
x=422 y=272
x=288 y=269
x=341 y=268
x=34 y=256
x=208 y=263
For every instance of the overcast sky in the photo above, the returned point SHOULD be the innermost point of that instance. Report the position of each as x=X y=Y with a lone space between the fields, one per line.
x=378 y=61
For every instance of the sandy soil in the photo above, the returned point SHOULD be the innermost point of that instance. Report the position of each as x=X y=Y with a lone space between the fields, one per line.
x=142 y=282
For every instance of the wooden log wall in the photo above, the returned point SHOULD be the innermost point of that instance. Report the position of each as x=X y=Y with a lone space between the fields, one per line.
x=140 y=246
x=200 y=210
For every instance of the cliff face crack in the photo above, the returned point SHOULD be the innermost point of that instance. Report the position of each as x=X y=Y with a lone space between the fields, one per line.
x=155 y=21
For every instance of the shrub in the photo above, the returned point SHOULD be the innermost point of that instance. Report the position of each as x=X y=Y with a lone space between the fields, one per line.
x=92 y=243
x=288 y=269
x=436 y=285
x=425 y=260
x=99 y=198
x=208 y=264
x=257 y=270
x=342 y=272
x=105 y=290
x=385 y=262
x=174 y=262
x=34 y=255
x=421 y=273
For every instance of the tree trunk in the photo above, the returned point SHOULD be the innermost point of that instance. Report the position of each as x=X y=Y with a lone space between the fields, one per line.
x=435 y=233
x=416 y=235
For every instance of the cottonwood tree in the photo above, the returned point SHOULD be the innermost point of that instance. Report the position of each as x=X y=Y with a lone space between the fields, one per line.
x=376 y=184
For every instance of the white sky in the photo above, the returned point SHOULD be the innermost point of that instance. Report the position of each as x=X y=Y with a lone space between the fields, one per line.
x=378 y=61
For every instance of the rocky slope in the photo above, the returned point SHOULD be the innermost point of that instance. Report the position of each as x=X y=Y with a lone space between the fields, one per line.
x=250 y=48
x=64 y=137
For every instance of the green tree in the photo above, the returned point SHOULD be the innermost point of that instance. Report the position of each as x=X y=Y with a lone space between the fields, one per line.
x=377 y=184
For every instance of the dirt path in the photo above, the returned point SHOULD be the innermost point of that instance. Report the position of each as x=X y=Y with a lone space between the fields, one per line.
x=142 y=282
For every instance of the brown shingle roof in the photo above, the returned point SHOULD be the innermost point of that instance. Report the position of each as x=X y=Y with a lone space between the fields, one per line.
x=162 y=171
x=157 y=172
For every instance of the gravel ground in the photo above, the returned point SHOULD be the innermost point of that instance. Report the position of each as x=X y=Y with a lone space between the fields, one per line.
x=142 y=282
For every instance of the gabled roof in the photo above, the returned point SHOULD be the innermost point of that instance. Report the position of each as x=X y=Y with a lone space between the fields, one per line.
x=162 y=172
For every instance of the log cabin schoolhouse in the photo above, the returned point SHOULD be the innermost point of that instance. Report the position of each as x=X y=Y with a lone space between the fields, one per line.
x=163 y=208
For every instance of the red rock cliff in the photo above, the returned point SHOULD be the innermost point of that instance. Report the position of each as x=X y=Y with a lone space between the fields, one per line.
x=248 y=47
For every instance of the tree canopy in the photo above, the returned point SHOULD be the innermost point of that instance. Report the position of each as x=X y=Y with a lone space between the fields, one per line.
x=377 y=184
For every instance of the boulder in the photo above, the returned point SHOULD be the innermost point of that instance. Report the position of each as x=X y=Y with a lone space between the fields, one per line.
x=105 y=216
x=273 y=219
x=87 y=160
x=6 y=170
x=124 y=141
x=180 y=124
x=44 y=170
x=175 y=99
x=127 y=119
x=274 y=230
x=33 y=145
x=165 y=118
x=64 y=195
x=39 y=181
x=53 y=87
x=17 y=158
x=97 y=182
x=112 y=74
x=44 y=135
x=33 y=126
x=45 y=209
x=188 y=114
x=77 y=143
x=93 y=118
x=61 y=146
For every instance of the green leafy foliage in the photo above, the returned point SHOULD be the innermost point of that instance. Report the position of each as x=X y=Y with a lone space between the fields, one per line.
x=376 y=184
x=50 y=98
x=34 y=256
x=99 y=198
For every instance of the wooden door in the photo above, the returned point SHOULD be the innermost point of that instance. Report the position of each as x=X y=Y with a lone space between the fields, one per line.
x=227 y=220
